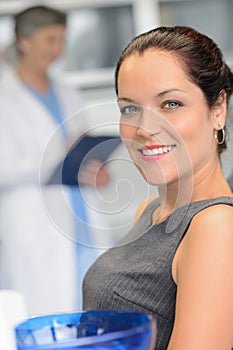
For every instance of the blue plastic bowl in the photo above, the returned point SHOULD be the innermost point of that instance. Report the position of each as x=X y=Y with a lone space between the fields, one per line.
x=88 y=330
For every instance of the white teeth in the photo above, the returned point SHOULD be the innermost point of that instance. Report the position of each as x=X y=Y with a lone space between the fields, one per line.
x=160 y=150
x=155 y=151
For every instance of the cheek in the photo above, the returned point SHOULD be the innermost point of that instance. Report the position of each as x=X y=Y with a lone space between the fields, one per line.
x=42 y=46
x=127 y=131
x=37 y=49
x=192 y=129
x=197 y=139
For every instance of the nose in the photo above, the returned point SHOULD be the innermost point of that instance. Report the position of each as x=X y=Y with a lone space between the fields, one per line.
x=150 y=123
x=58 y=48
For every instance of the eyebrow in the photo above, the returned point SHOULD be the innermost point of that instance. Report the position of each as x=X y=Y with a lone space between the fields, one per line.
x=160 y=94
x=126 y=99
x=165 y=92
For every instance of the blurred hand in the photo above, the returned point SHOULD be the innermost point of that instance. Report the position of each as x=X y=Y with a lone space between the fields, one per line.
x=93 y=173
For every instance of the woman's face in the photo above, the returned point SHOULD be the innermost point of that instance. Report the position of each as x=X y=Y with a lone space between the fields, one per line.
x=165 y=121
x=43 y=46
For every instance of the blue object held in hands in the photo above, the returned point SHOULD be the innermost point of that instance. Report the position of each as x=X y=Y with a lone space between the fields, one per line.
x=122 y=330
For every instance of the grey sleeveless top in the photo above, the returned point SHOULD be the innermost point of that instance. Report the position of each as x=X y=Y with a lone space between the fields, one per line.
x=137 y=275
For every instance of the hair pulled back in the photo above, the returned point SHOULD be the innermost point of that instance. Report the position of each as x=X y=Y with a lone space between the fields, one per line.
x=201 y=58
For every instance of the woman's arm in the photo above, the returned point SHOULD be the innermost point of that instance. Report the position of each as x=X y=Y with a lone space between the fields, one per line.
x=204 y=274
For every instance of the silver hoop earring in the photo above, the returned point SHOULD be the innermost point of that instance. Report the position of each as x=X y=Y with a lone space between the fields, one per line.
x=216 y=136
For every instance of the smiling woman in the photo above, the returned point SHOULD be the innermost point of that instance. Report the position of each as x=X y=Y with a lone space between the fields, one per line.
x=172 y=110
x=173 y=88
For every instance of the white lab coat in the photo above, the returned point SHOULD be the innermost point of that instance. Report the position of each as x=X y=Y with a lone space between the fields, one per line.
x=38 y=250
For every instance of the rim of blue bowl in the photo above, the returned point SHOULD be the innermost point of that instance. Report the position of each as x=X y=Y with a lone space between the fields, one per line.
x=150 y=323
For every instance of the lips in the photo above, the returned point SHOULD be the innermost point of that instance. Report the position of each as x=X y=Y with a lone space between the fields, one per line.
x=156 y=149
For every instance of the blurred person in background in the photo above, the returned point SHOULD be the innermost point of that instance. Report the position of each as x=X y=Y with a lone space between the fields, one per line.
x=40 y=230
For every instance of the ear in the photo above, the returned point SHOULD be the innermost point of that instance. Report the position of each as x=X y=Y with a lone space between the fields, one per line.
x=24 y=45
x=219 y=110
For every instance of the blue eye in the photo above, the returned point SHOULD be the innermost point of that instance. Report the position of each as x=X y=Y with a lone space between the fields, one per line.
x=171 y=105
x=127 y=110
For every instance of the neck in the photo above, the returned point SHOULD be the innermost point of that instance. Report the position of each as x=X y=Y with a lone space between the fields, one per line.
x=206 y=184
x=32 y=76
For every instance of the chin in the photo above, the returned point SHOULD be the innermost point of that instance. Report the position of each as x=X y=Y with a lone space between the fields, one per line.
x=153 y=179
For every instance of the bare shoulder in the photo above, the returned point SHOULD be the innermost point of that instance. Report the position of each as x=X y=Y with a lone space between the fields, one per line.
x=211 y=230
x=212 y=219
x=203 y=272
